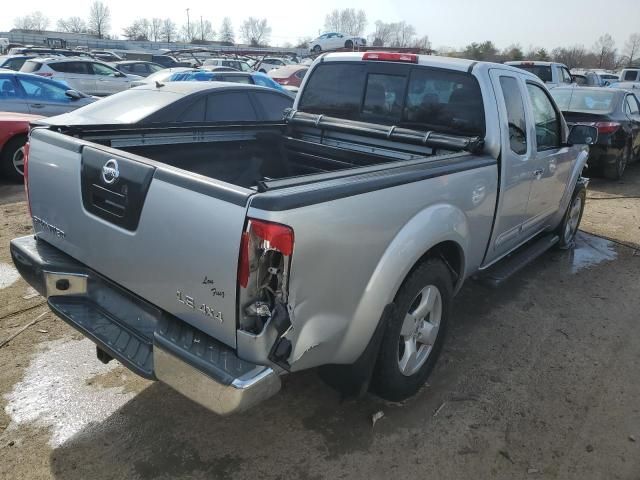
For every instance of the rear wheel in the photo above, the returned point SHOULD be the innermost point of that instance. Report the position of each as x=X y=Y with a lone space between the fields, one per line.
x=12 y=159
x=317 y=49
x=348 y=44
x=615 y=170
x=415 y=333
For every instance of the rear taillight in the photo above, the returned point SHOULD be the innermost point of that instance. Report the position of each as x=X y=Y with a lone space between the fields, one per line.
x=391 y=57
x=263 y=270
x=25 y=170
x=606 y=128
x=45 y=74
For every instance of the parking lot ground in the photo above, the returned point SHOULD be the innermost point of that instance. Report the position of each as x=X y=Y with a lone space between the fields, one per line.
x=538 y=379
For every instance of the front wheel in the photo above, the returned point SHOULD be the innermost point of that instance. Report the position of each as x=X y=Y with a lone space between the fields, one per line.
x=415 y=333
x=571 y=221
x=348 y=44
x=317 y=49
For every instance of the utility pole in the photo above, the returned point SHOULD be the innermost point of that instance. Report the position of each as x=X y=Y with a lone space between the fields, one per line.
x=188 y=27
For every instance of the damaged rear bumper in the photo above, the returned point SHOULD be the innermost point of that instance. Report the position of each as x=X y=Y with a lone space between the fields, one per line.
x=144 y=338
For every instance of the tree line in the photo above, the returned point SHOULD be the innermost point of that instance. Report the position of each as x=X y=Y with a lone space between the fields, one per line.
x=257 y=32
x=602 y=55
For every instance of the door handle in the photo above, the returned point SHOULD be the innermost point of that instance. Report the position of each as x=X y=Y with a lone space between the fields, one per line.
x=538 y=173
x=37 y=105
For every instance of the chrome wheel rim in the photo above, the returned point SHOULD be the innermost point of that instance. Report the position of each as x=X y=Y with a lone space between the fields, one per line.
x=18 y=160
x=571 y=227
x=419 y=330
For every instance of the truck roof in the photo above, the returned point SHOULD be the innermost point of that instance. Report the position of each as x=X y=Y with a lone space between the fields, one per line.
x=534 y=62
x=449 y=63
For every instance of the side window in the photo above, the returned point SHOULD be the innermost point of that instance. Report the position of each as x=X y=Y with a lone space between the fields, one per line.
x=43 y=90
x=631 y=105
x=15 y=63
x=139 y=68
x=630 y=76
x=566 y=76
x=546 y=118
x=72 y=67
x=515 y=115
x=8 y=89
x=230 y=107
x=99 y=69
x=273 y=105
x=194 y=112
x=125 y=68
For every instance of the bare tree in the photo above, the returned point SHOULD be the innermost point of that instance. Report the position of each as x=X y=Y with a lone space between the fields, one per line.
x=99 y=19
x=138 y=30
x=72 y=25
x=35 y=21
x=382 y=35
x=632 y=49
x=226 y=31
x=572 y=57
x=169 y=31
x=255 y=31
x=155 y=29
x=513 y=52
x=204 y=31
x=347 y=21
x=404 y=34
x=303 y=42
x=422 y=43
x=605 y=50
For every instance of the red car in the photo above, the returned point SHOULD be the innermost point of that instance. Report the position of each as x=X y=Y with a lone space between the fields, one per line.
x=290 y=75
x=14 y=129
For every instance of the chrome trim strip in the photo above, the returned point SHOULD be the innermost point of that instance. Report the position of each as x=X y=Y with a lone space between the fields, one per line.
x=77 y=283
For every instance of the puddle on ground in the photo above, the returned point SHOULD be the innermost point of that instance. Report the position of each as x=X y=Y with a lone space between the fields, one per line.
x=590 y=251
x=54 y=391
x=8 y=275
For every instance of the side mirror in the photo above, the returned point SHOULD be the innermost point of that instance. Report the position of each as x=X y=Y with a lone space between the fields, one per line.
x=119 y=74
x=607 y=83
x=73 y=95
x=582 y=135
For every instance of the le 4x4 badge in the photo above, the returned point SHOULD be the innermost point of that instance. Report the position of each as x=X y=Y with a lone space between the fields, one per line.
x=203 y=308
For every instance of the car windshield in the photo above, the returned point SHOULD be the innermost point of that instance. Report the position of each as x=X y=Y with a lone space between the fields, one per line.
x=129 y=106
x=584 y=100
x=543 y=72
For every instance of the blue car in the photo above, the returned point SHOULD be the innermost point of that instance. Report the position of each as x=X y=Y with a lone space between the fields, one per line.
x=28 y=93
x=252 y=78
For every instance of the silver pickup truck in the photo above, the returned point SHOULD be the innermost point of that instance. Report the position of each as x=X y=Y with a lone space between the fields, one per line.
x=218 y=258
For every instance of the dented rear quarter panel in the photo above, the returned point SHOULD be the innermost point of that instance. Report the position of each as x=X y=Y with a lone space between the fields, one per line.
x=352 y=254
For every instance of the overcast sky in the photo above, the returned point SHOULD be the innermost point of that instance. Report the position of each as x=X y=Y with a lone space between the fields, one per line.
x=452 y=23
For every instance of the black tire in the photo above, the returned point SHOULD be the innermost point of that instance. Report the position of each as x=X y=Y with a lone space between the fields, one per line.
x=388 y=380
x=348 y=44
x=317 y=49
x=12 y=148
x=616 y=170
x=568 y=228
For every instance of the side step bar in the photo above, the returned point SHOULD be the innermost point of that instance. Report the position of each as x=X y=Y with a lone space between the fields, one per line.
x=509 y=266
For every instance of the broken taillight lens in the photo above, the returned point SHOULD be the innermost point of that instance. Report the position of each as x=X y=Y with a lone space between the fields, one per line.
x=260 y=240
x=263 y=271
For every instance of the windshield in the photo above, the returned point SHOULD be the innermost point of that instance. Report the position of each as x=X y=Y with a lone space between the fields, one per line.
x=129 y=106
x=543 y=72
x=587 y=100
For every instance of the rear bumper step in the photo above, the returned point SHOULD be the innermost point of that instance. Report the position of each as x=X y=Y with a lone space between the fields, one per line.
x=144 y=338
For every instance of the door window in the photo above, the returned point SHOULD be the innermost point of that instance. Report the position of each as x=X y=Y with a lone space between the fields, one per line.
x=273 y=105
x=45 y=91
x=515 y=115
x=630 y=76
x=631 y=105
x=8 y=89
x=71 y=67
x=230 y=107
x=566 y=76
x=99 y=69
x=546 y=118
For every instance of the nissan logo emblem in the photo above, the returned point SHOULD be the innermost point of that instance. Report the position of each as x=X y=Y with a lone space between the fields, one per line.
x=110 y=172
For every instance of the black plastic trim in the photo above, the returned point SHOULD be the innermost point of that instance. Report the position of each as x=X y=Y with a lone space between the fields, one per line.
x=356 y=185
x=210 y=187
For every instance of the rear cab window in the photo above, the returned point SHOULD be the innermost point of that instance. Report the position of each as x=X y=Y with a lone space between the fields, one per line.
x=543 y=72
x=416 y=97
x=31 y=66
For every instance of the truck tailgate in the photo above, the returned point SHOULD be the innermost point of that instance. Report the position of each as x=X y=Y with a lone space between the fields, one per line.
x=170 y=237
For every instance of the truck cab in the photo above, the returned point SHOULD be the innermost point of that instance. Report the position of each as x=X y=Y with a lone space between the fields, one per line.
x=551 y=73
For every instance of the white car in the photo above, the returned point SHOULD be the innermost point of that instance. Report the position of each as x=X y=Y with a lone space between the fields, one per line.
x=85 y=75
x=333 y=41
x=270 y=63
